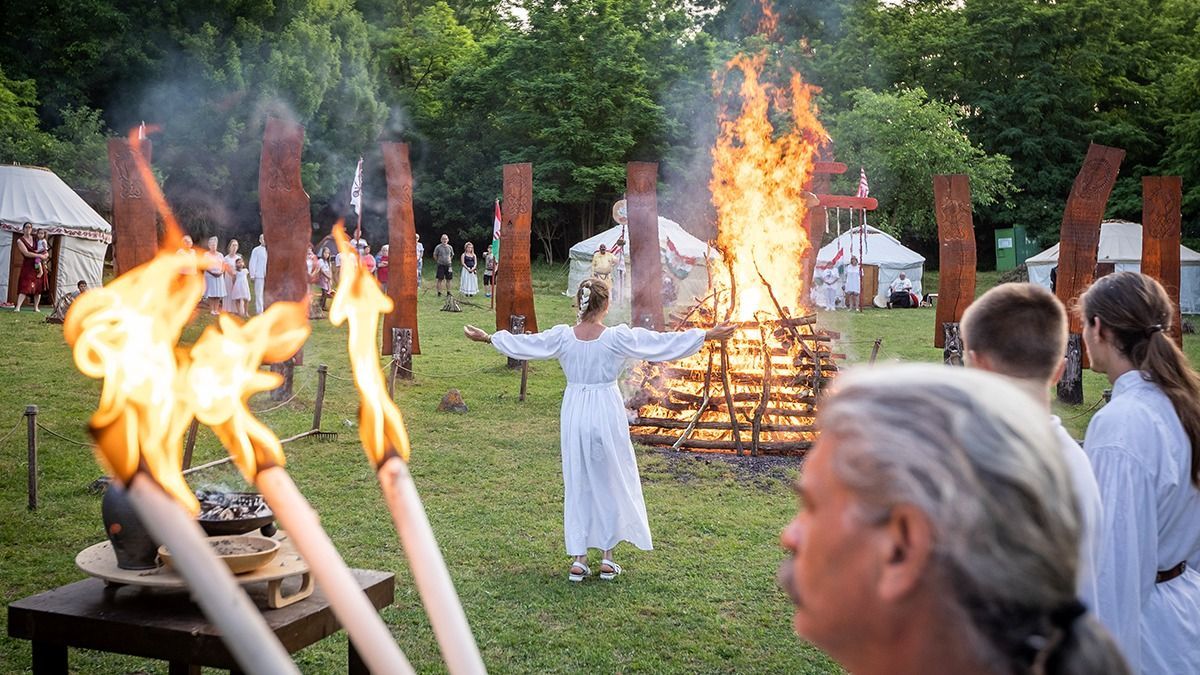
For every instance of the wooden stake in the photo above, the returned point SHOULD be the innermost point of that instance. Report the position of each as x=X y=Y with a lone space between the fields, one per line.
x=189 y=444
x=524 y=379
x=766 y=393
x=875 y=349
x=516 y=326
x=733 y=423
x=703 y=405
x=322 y=372
x=31 y=412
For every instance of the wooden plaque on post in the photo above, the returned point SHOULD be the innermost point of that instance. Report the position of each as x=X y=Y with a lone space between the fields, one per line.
x=1162 y=219
x=402 y=247
x=1079 y=241
x=956 y=253
x=645 y=255
x=135 y=220
x=287 y=223
x=514 y=287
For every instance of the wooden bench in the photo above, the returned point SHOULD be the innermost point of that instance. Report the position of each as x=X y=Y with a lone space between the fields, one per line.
x=166 y=625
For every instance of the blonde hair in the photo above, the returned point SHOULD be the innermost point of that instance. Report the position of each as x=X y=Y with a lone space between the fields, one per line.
x=591 y=298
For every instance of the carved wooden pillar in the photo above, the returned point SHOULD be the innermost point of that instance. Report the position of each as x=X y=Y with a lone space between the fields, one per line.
x=645 y=254
x=514 y=287
x=956 y=233
x=135 y=219
x=402 y=251
x=287 y=223
x=1080 y=238
x=1162 y=197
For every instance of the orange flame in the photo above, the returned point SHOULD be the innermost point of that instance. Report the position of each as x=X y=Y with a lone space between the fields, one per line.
x=360 y=301
x=224 y=372
x=125 y=333
x=172 y=233
x=758 y=182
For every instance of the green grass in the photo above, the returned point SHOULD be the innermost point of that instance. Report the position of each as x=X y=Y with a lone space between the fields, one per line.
x=703 y=601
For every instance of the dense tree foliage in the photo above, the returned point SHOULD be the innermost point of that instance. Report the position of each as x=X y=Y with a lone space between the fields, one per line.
x=1009 y=91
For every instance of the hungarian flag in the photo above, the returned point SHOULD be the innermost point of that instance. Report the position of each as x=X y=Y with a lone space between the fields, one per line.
x=496 y=232
x=836 y=258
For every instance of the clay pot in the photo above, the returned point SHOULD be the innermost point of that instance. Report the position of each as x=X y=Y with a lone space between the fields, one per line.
x=130 y=539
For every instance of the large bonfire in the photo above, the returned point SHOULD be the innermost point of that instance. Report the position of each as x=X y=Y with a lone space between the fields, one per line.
x=758 y=390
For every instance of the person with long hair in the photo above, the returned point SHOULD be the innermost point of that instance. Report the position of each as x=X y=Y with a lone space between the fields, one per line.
x=603 y=502
x=229 y=303
x=937 y=532
x=29 y=284
x=1145 y=449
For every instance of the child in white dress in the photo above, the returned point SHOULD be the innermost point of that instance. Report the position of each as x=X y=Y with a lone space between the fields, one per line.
x=603 y=502
x=241 y=288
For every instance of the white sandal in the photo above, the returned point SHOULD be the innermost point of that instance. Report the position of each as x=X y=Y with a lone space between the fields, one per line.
x=609 y=576
x=576 y=578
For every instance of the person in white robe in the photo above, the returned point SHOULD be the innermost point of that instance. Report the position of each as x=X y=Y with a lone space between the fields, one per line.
x=228 y=303
x=1020 y=330
x=853 y=286
x=258 y=272
x=603 y=502
x=829 y=289
x=1143 y=447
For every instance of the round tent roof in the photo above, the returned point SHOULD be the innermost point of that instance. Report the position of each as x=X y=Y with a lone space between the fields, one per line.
x=683 y=241
x=1120 y=242
x=882 y=249
x=35 y=195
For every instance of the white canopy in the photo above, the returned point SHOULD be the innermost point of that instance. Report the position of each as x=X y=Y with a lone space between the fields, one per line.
x=881 y=250
x=1121 y=244
x=38 y=196
x=670 y=235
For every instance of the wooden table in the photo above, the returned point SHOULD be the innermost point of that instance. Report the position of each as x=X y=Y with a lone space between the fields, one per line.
x=166 y=625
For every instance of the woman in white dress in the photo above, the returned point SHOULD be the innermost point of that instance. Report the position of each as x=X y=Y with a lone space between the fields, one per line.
x=214 y=277
x=853 y=285
x=1145 y=450
x=231 y=258
x=468 y=285
x=603 y=503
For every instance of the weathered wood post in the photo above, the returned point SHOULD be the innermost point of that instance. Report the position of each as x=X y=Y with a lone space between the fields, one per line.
x=401 y=366
x=952 y=351
x=516 y=326
x=31 y=412
x=875 y=349
x=1162 y=220
x=402 y=258
x=514 y=287
x=189 y=445
x=135 y=219
x=956 y=254
x=319 y=404
x=645 y=252
x=288 y=370
x=1079 y=240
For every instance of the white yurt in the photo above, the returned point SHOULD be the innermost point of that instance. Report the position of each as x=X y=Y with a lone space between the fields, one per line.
x=880 y=254
x=1121 y=246
x=78 y=236
x=683 y=255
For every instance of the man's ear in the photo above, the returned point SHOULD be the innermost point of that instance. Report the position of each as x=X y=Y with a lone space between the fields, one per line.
x=906 y=542
x=978 y=360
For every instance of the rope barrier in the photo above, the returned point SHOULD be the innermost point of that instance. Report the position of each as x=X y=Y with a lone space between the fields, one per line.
x=11 y=431
x=61 y=437
x=296 y=393
x=1078 y=415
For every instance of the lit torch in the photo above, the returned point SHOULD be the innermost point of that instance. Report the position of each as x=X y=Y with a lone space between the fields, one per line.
x=223 y=375
x=359 y=302
x=125 y=333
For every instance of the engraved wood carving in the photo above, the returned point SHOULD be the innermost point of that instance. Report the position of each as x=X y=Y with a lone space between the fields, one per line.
x=645 y=255
x=956 y=235
x=1080 y=235
x=514 y=286
x=1162 y=219
x=402 y=246
x=287 y=222
x=135 y=221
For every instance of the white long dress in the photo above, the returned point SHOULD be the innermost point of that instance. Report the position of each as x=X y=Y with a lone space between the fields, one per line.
x=230 y=280
x=1142 y=459
x=214 y=275
x=602 y=501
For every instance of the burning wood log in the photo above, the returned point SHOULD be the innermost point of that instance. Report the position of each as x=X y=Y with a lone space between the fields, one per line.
x=789 y=447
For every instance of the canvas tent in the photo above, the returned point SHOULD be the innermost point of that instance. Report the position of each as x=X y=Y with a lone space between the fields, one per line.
x=78 y=235
x=691 y=280
x=882 y=250
x=1121 y=246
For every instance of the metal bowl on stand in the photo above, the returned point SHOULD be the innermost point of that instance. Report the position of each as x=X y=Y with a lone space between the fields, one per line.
x=223 y=513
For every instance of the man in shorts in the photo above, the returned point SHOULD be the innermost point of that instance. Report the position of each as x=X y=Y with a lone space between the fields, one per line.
x=443 y=255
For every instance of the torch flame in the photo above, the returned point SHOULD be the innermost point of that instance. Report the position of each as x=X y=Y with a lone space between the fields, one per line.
x=360 y=301
x=223 y=373
x=125 y=333
x=758 y=187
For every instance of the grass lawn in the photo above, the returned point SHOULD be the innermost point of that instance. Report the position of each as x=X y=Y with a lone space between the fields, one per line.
x=703 y=601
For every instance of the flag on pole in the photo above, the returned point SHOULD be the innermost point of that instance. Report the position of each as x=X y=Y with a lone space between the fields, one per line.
x=864 y=190
x=356 y=189
x=496 y=232
x=142 y=131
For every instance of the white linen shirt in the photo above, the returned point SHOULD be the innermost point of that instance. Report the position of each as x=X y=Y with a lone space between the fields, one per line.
x=258 y=262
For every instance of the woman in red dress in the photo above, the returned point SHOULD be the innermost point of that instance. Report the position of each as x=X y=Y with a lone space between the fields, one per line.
x=29 y=284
